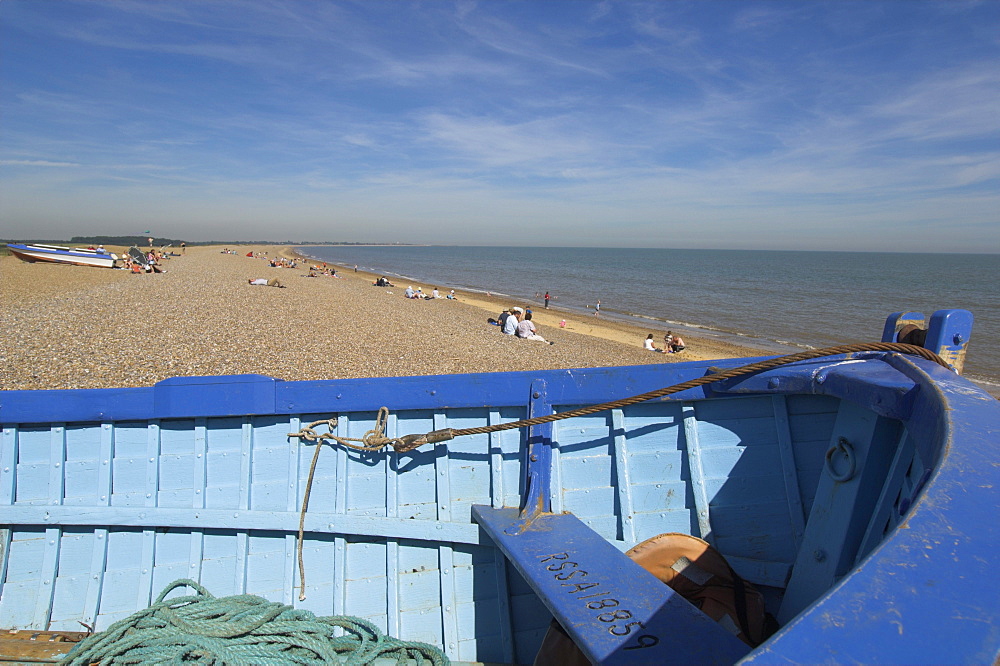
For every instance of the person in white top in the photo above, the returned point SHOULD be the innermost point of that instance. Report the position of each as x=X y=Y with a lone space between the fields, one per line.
x=512 y=322
x=526 y=330
x=648 y=344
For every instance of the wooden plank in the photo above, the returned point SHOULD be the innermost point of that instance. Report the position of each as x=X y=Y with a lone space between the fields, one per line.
x=8 y=474
x=446 y=565
x=53 y=535
x=626 y=514
x=796 y=514
x=886 y=505
x=826 y=542
x=613 y=609
x=698 y=473
x=99 y=546
x=29 y=646
x=392 y=545
x=340 y=507
x=504 y=606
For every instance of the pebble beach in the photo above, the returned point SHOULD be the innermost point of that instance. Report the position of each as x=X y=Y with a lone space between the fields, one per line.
x=65 y=327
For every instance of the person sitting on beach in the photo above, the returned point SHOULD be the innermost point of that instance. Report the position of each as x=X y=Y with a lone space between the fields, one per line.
x=510 y=324
x=677 y=345
x=668 y=340
x=451 y=295
x=273 y=282
x=409 y=293
x=649 y=346
x=434 y=293
x=526 y=330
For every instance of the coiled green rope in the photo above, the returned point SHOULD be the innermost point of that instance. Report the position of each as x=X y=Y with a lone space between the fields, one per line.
x=241 y=629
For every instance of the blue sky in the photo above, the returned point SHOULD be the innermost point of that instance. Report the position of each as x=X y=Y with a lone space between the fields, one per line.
x=791 y=125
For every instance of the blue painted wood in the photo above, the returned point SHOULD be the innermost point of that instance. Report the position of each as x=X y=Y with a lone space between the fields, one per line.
x=699 y=472
x=948 y=335
x=932 y=608
x=537 y=496
x=621 y=478
x=831 y=538
x=947 y=332
x=613 y=609
x=898 y=320
x=126 y=515
x=789 y=475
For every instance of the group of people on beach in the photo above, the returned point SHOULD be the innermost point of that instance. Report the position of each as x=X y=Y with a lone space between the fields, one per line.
x=419 y=294
x=516 y=321
x=317 y=271
x=672 y=344
x=150 y=265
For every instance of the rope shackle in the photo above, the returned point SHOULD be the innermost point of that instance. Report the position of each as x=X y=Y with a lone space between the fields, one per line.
x=410 y=442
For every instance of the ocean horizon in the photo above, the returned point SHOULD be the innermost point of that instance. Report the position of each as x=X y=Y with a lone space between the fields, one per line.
x=775 y=300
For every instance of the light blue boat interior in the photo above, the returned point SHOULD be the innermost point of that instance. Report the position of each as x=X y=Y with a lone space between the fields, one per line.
x=117 y=494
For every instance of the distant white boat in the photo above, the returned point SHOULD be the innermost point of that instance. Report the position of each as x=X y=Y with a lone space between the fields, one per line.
x=63 y=255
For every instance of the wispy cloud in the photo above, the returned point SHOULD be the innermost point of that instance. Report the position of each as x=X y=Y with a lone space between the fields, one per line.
x=37 y=163
x=743 y=119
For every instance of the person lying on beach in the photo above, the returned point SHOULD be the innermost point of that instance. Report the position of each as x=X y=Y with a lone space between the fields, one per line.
x=273 y=282
x=649 y=346
x=526 y=330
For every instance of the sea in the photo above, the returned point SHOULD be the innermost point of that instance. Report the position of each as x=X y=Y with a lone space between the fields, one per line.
x=778 y=301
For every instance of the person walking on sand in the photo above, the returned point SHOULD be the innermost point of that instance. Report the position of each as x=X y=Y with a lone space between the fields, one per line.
x=546 y=300
x=597 y=308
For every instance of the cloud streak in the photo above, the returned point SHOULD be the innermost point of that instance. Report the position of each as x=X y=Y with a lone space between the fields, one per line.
x=708 y=124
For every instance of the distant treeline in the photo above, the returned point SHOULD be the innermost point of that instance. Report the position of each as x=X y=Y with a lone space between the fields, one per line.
x=143 y=241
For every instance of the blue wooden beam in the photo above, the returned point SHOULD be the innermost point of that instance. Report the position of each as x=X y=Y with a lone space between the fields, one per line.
x=613 y=609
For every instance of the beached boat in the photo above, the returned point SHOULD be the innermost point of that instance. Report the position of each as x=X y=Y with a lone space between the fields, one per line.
x=856 y=490
x=78 y=256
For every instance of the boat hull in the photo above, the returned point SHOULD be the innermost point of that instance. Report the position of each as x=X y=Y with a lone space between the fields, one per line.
x=113 y=494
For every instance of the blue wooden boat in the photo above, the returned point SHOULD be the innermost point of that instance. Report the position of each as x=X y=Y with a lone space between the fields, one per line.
x=857 y=492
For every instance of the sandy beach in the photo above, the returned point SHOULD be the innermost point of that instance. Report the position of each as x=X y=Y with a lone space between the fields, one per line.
x=78 y=327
